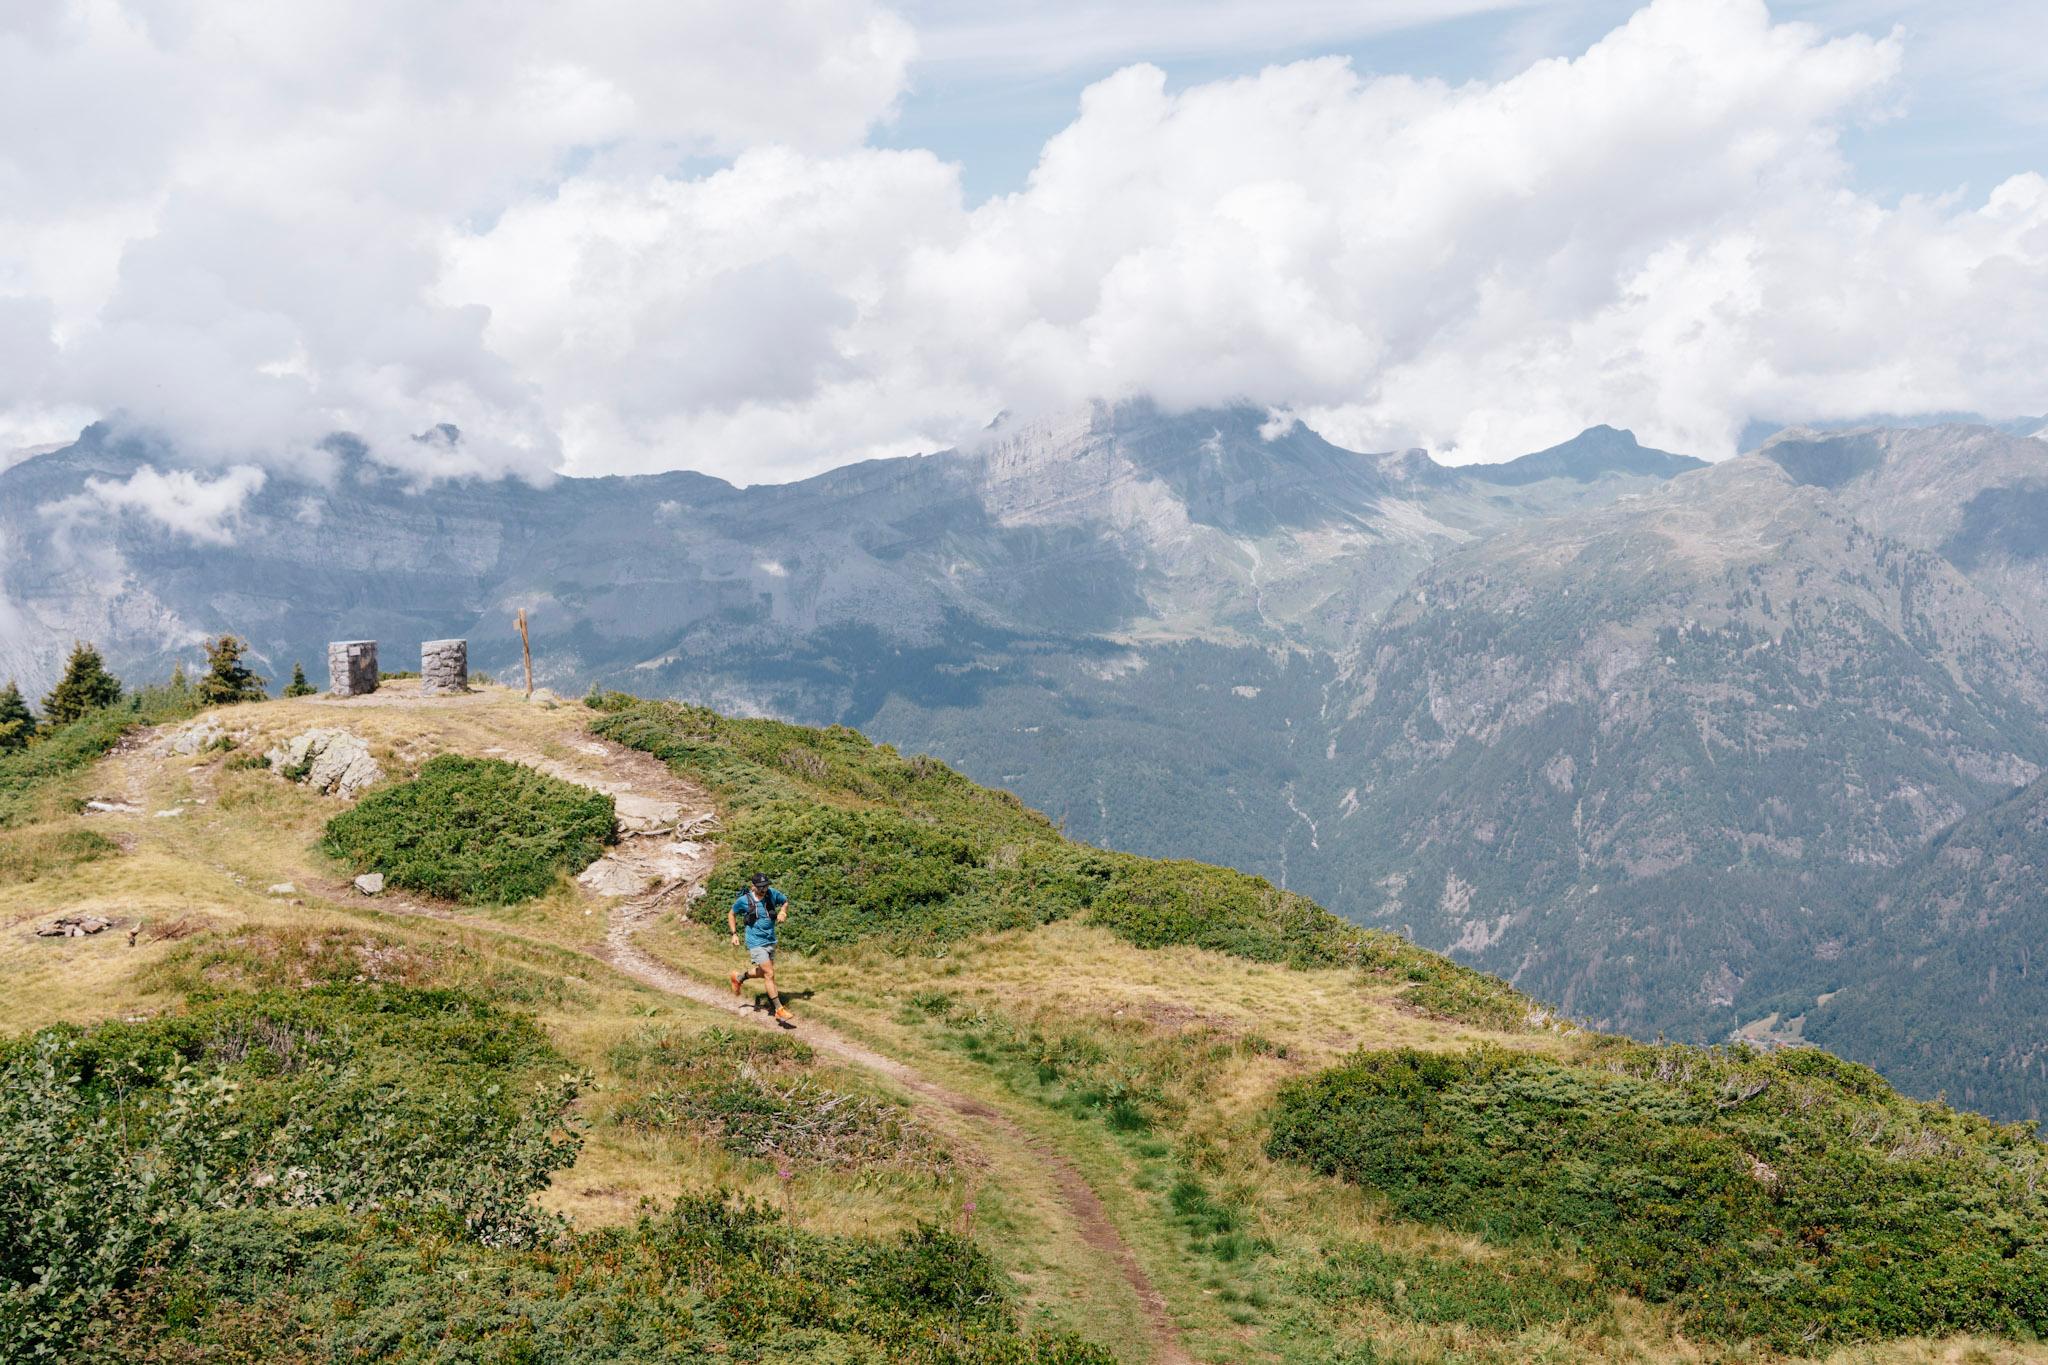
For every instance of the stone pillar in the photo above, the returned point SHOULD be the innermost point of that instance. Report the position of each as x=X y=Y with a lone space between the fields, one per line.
x=352 y=667
x=444 y=666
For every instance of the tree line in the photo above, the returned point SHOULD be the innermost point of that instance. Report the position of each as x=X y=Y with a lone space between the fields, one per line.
x=88 y=686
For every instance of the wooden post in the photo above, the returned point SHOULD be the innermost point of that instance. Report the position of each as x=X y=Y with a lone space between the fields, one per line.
x=525 y=649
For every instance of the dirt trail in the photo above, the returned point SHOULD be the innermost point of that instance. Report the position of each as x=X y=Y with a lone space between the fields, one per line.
x=672 y=868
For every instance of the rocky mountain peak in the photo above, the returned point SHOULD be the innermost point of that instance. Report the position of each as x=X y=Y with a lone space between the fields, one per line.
x=1593 y=453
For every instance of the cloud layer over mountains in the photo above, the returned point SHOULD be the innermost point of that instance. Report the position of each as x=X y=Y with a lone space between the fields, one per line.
x=630 y=235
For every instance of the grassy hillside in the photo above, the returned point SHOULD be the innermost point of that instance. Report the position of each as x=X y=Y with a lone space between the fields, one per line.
x=295 y=1123
x=907 y=855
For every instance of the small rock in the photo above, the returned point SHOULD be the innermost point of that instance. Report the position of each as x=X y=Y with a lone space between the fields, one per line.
x=370 y=883
x=101 y=806
x=75 y=926
x=168 y=814
x=543 y=696
x=282 y=889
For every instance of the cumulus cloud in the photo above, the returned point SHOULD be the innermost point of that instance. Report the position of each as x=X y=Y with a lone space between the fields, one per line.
x=1658 y=233
x=181 y=501
x=231 y=216
x=480 y=214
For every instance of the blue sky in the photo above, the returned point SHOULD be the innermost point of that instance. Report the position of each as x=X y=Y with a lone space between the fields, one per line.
x=1972 y=105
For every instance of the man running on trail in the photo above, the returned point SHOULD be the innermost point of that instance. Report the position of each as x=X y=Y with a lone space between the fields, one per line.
x=760 y=908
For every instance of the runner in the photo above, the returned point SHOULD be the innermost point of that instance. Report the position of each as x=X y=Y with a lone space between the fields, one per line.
x=760 y=908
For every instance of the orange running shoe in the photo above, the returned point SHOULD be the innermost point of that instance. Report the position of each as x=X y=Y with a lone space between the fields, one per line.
x=735 y=978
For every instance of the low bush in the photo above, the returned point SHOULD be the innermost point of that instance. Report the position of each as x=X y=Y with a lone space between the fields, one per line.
x=476 y=830
x=1792 y=1198
x=428 y=1109
x=346 y=1174
x=707 y=1281
x=760 y=1095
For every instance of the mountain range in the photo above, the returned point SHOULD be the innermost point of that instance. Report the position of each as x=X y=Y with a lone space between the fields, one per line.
x=1670 y=745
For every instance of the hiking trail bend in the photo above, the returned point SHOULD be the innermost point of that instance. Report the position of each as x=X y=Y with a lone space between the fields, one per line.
x=659 y=812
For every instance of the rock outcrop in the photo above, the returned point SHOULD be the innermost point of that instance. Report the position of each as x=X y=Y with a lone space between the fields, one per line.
x=333 y=762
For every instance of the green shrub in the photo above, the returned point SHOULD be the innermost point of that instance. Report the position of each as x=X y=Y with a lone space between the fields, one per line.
x=1157 y=904
x=759 y=1095
x=705 y=1281
x=427 y=1108
x=852 y=874
x=1792 y=1198
x=476 y=830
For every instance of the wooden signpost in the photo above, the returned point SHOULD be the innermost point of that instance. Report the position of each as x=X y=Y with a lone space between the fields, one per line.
x=525 y=649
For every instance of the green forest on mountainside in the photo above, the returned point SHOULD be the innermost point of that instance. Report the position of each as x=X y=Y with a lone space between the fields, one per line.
x=1936 y=974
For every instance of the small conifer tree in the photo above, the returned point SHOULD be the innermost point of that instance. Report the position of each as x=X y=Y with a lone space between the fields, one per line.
x=179 y=682
x=227 y=678
x=85 y=687
x=17 y=722
x=298 y=686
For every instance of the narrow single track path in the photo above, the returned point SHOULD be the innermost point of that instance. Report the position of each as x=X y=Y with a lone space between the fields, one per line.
x=648 y=860
x=1091 y=1219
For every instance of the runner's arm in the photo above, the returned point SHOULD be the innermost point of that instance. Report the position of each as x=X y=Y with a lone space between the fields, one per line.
x=732 y=924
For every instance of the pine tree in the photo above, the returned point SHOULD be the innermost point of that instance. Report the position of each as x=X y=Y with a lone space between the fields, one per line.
x=17 y=722
x=298 y=686
x=227 y=678
x=86 y=686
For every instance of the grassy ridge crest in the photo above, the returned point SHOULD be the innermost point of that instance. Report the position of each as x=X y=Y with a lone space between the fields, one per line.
x=908 y=855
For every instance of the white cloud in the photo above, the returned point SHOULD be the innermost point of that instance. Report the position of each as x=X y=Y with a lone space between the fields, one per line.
x=387 y=216
x=232 y=215
x=181 y=501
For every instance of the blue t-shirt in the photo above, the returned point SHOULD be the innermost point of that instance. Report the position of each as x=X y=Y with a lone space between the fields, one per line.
x=761 y=933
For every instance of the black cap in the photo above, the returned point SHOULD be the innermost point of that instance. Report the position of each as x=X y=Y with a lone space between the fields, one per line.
x=759 y=879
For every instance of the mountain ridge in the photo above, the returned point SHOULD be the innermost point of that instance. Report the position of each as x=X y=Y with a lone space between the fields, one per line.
x=1199 y=634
